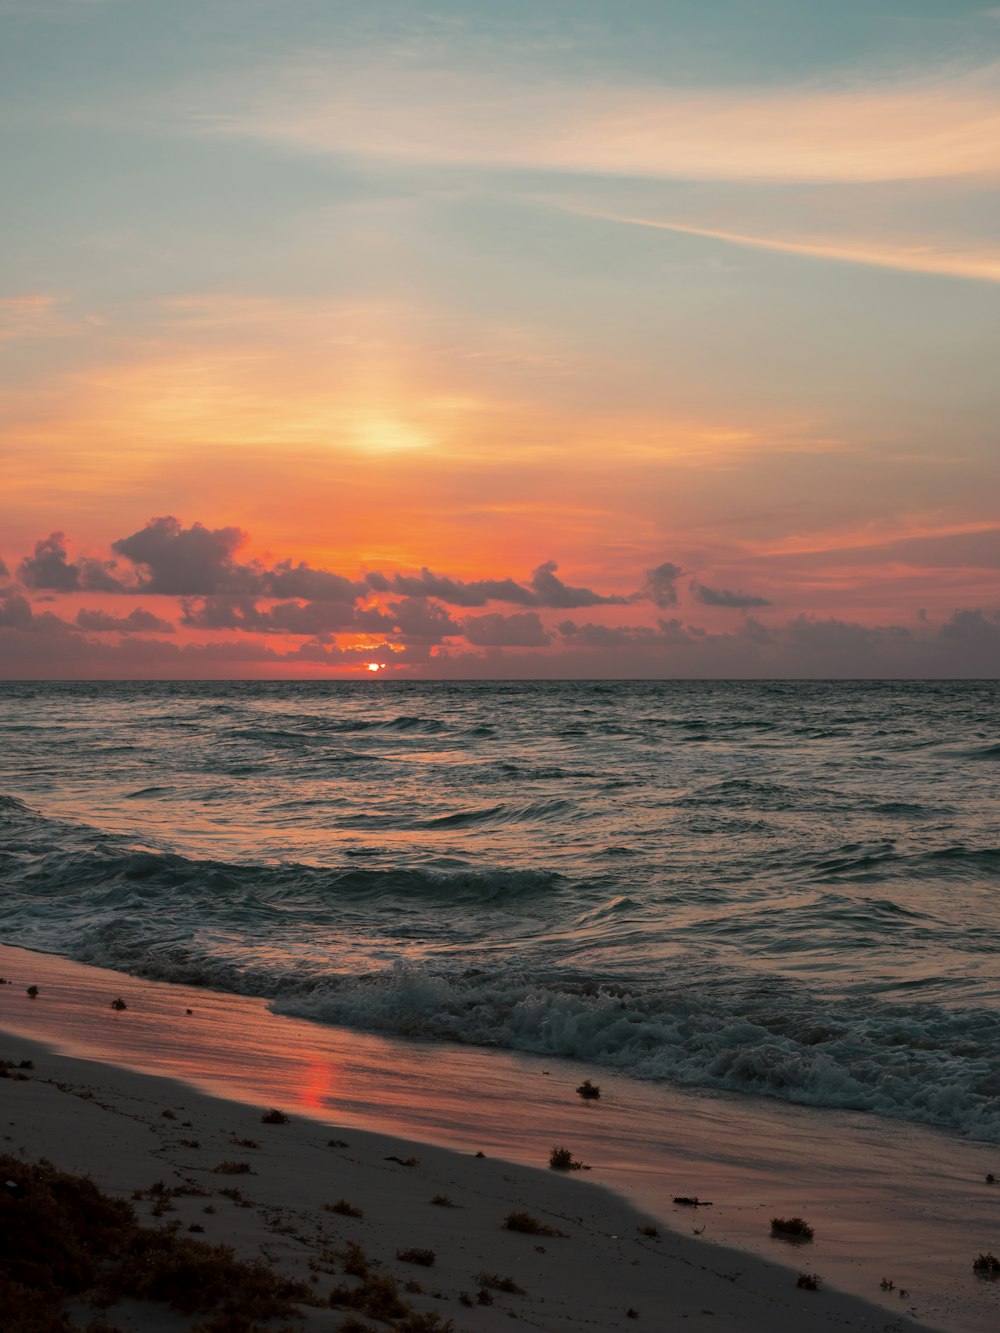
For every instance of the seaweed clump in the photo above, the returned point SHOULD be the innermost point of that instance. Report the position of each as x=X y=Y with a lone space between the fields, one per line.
x=791 y=1228
x=561 y=1159
x=64 y=1240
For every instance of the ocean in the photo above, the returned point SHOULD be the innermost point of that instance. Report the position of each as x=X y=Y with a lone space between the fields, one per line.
x=784 y=890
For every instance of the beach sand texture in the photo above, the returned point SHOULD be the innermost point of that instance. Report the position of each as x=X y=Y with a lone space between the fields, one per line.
x=108 y=1120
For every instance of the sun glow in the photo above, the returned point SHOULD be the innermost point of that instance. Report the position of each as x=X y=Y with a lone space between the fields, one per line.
x=375 y=666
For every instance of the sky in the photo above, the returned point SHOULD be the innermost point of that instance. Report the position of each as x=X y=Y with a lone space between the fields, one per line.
x=563 y=339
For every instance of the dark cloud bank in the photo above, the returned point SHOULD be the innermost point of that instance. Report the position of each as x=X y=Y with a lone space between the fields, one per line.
x=425 y=623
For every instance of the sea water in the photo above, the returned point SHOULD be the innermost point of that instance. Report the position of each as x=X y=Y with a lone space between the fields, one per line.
x=779 y=889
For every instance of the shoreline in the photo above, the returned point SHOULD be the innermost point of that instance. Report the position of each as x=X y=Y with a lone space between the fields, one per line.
x=443 y=1105
x=126 y=1130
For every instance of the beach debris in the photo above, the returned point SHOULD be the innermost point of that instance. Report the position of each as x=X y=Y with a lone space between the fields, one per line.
x=561 y=1159
x=530 y=1226
x=238 y=1197
x=376 y=1297
x=809 y=1281
x=480 y=1154
x=336 y=1143
x=698 y=1231
x=652 y=1232
x=692 y=1201
x=233 y=1169
x=32 y=991
x=495 y=1282
x=990 y=1178
x=118 y=1004
x=9 y=1070
x=631 y=1313
x=168 y=1114
x=405 y=1161
x=274 y=1117
x=243 y=1143
x=415 y=1255
x=887 y=1284
x=343 y=1209
x=356 y=1262
x=443 y=1201
x=94 y=1248
x=189 y=1011
x=13 y=1188
x=5 y=982
x=483 y=1297
x=987 y=1265
x=793 y=1229
x=590 y=1092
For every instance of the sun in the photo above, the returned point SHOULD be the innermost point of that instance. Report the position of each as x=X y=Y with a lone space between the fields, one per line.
x=375 y=666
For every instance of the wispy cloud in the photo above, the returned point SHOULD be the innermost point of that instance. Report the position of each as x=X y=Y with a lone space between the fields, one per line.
x=33 y=315
x=983 y=265
x=927 y=126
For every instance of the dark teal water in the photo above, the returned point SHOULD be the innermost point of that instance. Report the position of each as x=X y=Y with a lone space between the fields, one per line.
x=786 y=889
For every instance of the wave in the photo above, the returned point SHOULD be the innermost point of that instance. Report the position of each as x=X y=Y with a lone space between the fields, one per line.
x=862 y=865
x=406 y=723
x=987 y=752
x=504 y=814
x=83 y=869
x=918 y=1063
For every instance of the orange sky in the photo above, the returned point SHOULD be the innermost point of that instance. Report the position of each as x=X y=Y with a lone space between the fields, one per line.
x=390 y=292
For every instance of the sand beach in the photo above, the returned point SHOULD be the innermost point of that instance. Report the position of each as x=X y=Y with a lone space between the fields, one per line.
x=153 y=1094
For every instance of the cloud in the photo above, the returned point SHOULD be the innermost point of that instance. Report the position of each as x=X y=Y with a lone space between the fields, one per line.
x=937 y=258
x=453 y=591
x=4 y=571
x=243 y=613
x=669 y=632
x=974 y=628
x=606 y=636
x=551 y=591
x=833 y=636
x=136 y=622
x=301 y=580
x=724 y=597
x=546 y=589
x=48 y=567
x=35 y=315
x=967 y=548
x=659 y=586
x=928 y=125
x=523 y=629
x=185 y=561
x=15 y=612
x=417 y=618
x=220 y=612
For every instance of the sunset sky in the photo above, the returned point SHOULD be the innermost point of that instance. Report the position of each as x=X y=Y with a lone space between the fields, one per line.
x=563 y=338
